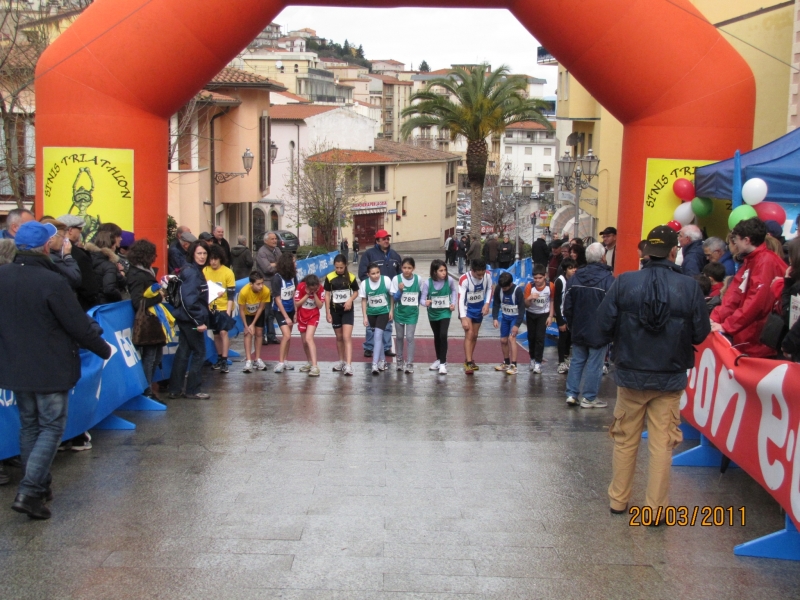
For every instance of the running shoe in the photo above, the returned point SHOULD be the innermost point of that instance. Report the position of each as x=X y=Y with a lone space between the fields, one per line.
x=339 y=366
x=468 y=370
x=347 y=370
x=511 y=369
x=217 y=365
x=434 y=366
x=562 y=368
x=223 y=367
x=537 y=368
x=572 y=401
x=248 y=366
x=532 y=365
x=259 y=364
x=501 y=367
x=313 y=372
x=375 y=369
x=593 y=403
x=279 y=368
x=289 y=367
x=475 y=366
x=409 y=367
x=84 y=442
x=382 y=365
x=399 y=365
x=443 y=369
x=305 y=368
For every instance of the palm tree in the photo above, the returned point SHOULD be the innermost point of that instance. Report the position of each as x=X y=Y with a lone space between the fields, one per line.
x=479 y=103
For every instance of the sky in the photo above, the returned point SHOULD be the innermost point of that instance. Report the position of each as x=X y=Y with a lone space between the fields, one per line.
x=437 y=35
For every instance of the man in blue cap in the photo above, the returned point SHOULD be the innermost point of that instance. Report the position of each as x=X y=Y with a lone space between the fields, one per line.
x=37 y=304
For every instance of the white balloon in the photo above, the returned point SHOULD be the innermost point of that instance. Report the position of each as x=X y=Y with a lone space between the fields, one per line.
x=754 y=191
x=684 y=213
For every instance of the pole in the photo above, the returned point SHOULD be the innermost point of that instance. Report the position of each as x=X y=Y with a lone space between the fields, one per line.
x=576 y=225
x=516 y=224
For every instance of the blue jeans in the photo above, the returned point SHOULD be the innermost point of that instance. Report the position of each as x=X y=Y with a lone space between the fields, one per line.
x=151 y=358
x=191 y=343
x=42 y=418
x=387 y=338
x=460 y=265
x=587 y=363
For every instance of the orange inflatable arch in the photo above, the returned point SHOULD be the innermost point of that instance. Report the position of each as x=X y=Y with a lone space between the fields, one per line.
x=115 y=77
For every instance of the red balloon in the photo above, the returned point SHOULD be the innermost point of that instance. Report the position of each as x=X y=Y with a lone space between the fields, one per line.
x=771 y=211
x=684 y=189
x=675 y=225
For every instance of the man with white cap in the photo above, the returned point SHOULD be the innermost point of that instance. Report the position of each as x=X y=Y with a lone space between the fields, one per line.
x=37 y=304
x=89 y=289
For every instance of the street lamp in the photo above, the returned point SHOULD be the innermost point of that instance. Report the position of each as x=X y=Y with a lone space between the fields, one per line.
x=338 y=193
x=247 y=163
x=576 y=174
x=273 y=151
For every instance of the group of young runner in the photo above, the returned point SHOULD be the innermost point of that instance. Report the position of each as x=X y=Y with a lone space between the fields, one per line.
x=398 y=300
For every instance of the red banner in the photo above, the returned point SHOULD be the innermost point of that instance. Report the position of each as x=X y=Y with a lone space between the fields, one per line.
x=749 y=412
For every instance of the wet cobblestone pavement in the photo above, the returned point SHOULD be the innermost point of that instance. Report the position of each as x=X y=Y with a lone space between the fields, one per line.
x=367 y=488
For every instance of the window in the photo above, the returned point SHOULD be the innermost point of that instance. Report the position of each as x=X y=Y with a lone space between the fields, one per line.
x=264 y=164
x=365 y=180
x=509 y=149
x=404 y=204
x=548 y=152
x=590 y=141
x=492 y=164
x=379 y=180
x=296 y=70
x=529 y=135
x=529 y=150
x=509 y=135
x=397 y=210
x=547 y=168
x=450 y=173
x=528 y=167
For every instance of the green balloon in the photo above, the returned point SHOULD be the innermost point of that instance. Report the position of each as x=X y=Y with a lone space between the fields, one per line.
x=702 y=207
x=740 y=213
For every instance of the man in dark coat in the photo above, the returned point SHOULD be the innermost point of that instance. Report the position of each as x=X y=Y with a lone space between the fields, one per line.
x=555 y=260
x=540 y=252
x=177 y=251
x=655 y=316
x=37 y=306
x=219 y=238
x=389 y=262
x=266 y=263
x=241 y=259
x=694 y=259
x=585 y=291
x=88 y=290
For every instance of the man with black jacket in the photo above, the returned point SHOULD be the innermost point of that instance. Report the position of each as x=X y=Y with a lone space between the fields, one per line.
x=540 y=251
x=41 y=327
x=656 y=316
x=88 y=290
x=585 y=292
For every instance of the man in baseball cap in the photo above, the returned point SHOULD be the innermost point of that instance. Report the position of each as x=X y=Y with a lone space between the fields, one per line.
x=89 y=288
x=389 y=261
x=609 y=235
x=655 y=315
x=33 y=235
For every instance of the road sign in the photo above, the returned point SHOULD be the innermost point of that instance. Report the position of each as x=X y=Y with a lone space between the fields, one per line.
x=565 y=196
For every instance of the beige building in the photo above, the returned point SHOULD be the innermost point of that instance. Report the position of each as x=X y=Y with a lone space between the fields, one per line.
x=766 y=37
x=393 y=96
x=387 y=66
x=301 y=73
x=409 y=191
x=208 y=184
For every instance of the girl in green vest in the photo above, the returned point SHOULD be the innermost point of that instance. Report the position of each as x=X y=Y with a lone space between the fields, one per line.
x=406 y=290
x=377 y=307
x=440 y=295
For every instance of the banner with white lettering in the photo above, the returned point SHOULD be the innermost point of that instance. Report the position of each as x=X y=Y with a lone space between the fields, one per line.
x=749 y=412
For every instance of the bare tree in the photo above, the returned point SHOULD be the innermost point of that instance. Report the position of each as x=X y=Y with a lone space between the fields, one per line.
x=26 y=29
x=498 y=209
x=323 y=171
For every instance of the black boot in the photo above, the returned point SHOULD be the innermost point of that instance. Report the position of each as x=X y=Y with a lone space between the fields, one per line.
x=33 y=506
x=4 y=477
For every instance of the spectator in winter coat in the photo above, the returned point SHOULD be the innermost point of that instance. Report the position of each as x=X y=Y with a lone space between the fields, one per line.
x=41 y=328
x=540 y=252
x=655 y=315
x=461 y=254
x=791 y=289
x=491 y=250
x=192 y=318
x=241 y=259
x=14 y=220
x=585 y=291
x=505 y=252
x=107 y=269
x=473 y=251
x=60 y=252
x=749 y=299
x=266 y=263
x=716 y=251
x=694 y=259
x=218 y=238
x=89 y=289
x=177 y=251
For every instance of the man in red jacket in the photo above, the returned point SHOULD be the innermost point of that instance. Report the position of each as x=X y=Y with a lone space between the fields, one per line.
x=748 y=300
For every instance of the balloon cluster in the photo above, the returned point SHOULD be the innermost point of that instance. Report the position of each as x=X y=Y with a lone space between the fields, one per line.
x=754 y=191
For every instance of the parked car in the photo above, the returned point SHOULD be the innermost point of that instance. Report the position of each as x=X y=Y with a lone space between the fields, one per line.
x=287 y=241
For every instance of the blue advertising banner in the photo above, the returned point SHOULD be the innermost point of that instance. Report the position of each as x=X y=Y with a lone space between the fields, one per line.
x=103 y=387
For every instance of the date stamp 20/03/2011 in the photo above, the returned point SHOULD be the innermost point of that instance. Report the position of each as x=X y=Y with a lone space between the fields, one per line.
x=683 y=516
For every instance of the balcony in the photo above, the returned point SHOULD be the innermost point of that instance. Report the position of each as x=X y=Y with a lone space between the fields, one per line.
x=323 y=98
x=543 y=57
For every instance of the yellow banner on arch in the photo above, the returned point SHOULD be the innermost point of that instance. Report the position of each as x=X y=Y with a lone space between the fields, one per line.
x=93 y=183
x=660 y=201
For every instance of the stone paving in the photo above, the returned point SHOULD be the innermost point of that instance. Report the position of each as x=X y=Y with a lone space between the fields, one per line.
x=367 y=488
